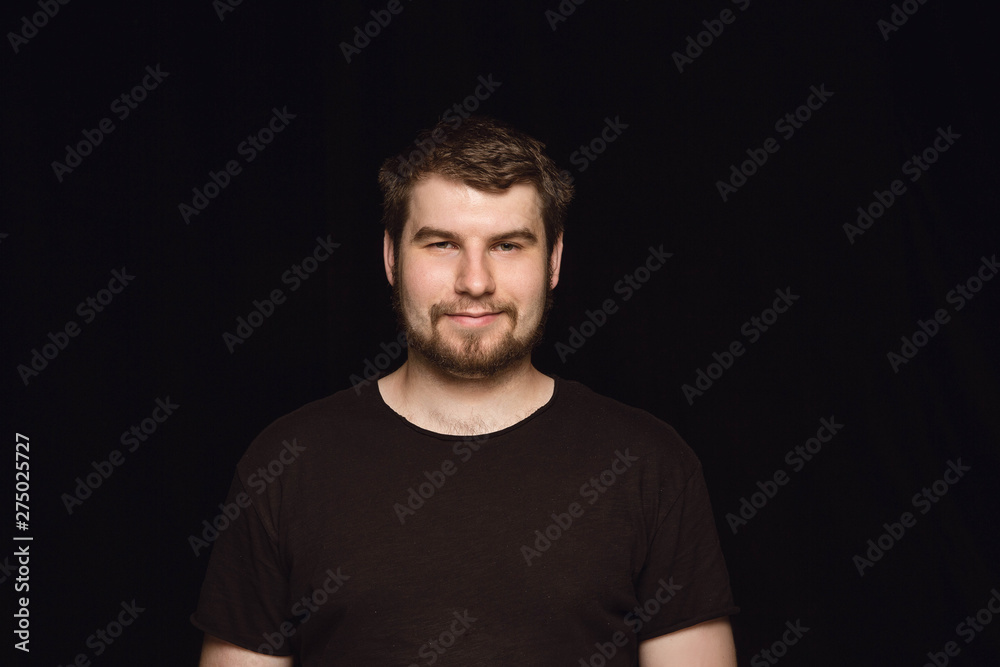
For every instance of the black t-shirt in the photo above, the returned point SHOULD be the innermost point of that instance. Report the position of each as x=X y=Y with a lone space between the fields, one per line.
x=362 y=539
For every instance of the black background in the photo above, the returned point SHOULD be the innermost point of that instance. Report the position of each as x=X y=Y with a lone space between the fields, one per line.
x=655 y=184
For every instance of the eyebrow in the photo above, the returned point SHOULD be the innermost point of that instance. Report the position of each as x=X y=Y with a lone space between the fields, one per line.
x=521 y=233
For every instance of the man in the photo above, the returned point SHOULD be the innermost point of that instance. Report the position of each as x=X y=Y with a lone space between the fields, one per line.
x=467 y=509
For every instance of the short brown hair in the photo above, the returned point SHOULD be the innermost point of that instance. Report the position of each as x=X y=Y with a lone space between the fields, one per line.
x=482 y=153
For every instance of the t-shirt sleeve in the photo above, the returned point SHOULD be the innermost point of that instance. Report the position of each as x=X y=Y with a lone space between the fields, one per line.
x=685 y=571
x=244 y=598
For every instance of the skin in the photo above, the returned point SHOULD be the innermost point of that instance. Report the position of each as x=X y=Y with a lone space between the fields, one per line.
x=468 y=261
x=218 y=653
x=708 y=644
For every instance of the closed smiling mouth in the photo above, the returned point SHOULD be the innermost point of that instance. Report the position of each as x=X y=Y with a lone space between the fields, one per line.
x=474 y=318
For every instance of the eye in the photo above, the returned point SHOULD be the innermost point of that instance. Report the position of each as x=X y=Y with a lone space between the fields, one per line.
x=507 y=247
x=441 y=245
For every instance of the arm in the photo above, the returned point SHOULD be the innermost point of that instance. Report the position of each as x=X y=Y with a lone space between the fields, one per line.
x=708 y=644
x=218 y=653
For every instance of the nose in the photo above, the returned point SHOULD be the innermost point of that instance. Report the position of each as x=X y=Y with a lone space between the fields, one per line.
x=475 y=275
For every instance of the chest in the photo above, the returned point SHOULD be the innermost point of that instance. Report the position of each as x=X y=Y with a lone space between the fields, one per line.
x=413 y=548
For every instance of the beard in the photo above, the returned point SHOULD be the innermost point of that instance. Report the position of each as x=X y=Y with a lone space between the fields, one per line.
x=474 y=357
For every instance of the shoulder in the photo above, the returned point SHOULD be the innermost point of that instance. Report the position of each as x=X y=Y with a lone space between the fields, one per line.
x=658 y=465
x=603 y=412
x=608 y=418
x=315 y=424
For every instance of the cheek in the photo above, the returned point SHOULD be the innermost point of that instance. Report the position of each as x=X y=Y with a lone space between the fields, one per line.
x=421 y=286
x=529 y=290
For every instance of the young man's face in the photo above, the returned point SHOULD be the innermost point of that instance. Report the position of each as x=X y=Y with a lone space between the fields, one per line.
x=474 y=278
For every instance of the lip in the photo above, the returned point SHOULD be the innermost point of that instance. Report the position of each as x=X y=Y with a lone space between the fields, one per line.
x=471 y=319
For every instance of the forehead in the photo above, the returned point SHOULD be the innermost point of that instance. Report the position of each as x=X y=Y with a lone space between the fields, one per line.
x=449 y=204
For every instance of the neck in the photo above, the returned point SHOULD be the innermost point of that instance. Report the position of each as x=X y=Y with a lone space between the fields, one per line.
x=439 y=401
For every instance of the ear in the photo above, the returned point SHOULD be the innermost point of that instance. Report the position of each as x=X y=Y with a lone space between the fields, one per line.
x=388 y=256
x=555 y=260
